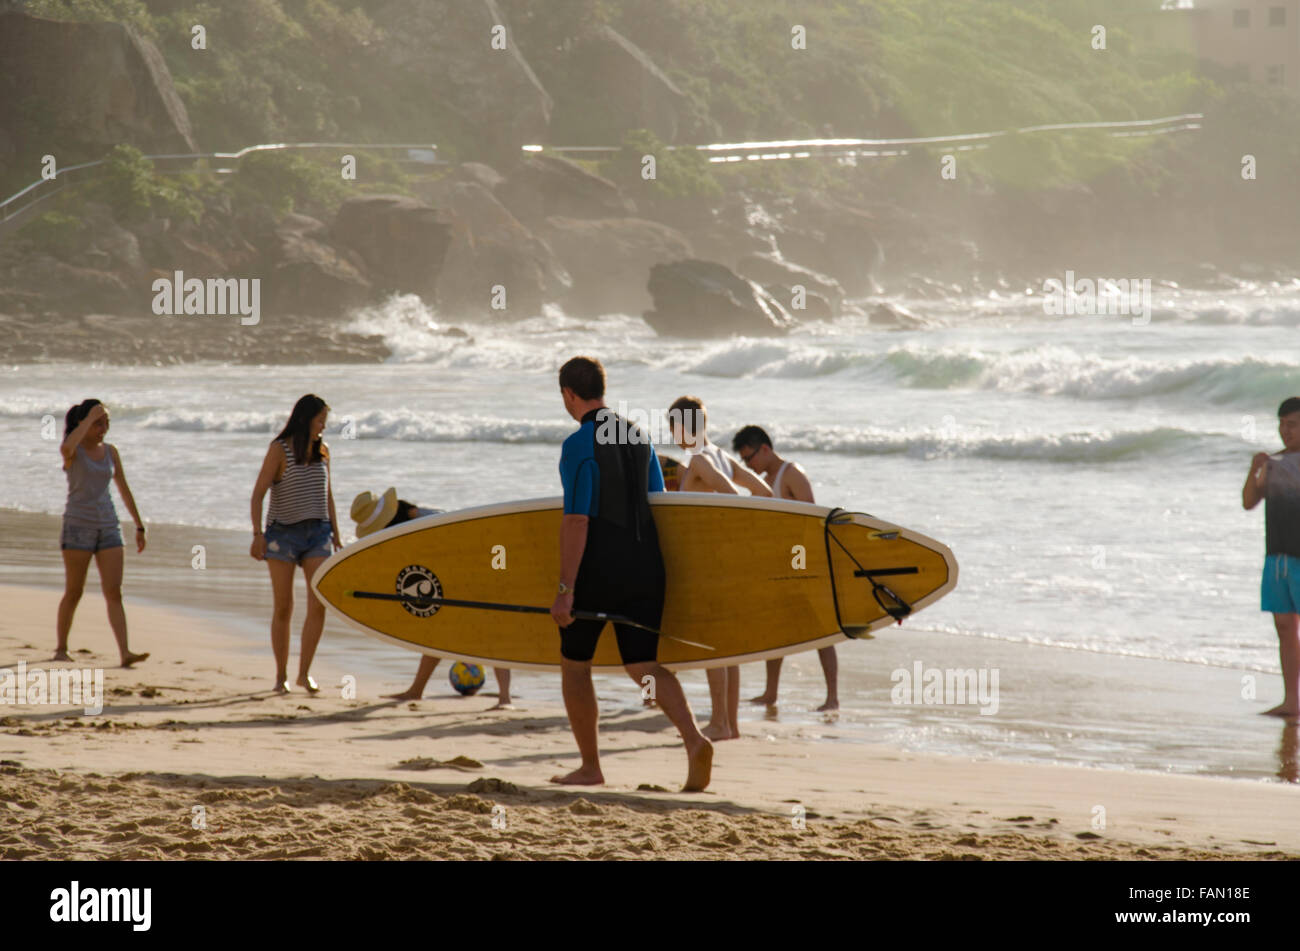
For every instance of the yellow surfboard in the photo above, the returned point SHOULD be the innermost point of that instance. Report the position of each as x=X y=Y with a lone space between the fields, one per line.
x=747 y=579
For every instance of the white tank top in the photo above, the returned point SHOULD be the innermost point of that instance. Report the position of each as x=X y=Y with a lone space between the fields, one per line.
x=715 y=455
x=776 y=483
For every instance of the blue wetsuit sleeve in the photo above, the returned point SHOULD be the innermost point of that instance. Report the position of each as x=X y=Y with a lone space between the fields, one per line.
x=578 y=473
x=656 y=483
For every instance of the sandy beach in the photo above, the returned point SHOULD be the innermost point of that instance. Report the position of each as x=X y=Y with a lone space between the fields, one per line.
x=192 y=756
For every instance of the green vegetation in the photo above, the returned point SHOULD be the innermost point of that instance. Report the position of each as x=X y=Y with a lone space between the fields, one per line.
x=128 y=184
x=679 y=173
x=346 y=70
x=286 y=181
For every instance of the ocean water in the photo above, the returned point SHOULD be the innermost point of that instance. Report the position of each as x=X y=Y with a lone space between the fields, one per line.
x=1085 y=471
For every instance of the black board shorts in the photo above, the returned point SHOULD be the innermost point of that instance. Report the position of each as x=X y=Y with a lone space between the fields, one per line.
x=621 y=579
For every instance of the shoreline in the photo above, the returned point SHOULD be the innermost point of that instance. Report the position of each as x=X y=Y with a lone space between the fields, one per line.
x=196 y=725
x=1058 y=707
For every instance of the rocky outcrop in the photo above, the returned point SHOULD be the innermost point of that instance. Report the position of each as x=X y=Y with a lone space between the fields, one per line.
x=401 y=241
x=75 y=90
x=44 y=284
x=489 y=249
x=896 y=317
x=308 y=276
x=632 y=92
x=610 y=260
x=541 y=186
x=835 y=239
x=695 y=298
x=773 y=271
x=444 y=49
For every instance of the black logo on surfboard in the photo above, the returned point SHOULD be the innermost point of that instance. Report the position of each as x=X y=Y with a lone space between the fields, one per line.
x=417 y=581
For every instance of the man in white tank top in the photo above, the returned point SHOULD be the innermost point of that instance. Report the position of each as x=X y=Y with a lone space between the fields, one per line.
x=709 y=469
x=788 y=481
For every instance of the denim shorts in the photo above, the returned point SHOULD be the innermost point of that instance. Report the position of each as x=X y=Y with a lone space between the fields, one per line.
x=1280 y=590
x=85 y=538
x=309 y=538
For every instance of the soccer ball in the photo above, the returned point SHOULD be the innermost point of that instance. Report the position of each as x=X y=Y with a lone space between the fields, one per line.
x=466 y=678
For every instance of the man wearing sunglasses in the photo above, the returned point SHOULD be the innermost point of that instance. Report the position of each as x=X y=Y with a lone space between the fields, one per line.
x=787 y=481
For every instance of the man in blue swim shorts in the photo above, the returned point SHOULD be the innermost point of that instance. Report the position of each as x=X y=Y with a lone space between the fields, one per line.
x=1276 y=479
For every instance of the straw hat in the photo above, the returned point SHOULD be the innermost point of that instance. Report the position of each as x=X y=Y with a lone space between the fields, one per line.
x=371 y=513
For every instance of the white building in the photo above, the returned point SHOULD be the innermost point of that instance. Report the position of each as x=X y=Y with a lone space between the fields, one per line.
x=1258 y=38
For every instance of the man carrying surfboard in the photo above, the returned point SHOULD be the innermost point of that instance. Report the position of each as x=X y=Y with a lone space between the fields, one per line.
x=788 y=481
x=610 y=562
x=1275 y=480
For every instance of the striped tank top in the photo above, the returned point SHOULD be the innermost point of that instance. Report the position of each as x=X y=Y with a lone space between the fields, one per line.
x=301 y=492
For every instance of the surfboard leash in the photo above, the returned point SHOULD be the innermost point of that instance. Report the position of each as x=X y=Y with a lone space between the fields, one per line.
x=424 y=602
x=890 y=603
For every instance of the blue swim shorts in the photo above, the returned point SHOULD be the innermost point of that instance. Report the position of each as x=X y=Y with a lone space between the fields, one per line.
x=296 y=541
x=1280 y=590
x=84 y=538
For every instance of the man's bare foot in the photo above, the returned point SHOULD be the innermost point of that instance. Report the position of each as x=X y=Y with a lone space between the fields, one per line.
x=502 y=705
x=60 y=655
x=1282 y=710
x=767 y=698
x=404 y=695
x=309 y=683
x=716 y=731
x=829 y=705
x=128 y=659
x=582 y=776
x=282 y=686
x=700 y=769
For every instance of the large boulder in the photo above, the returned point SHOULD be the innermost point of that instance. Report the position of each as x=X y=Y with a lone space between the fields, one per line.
x=772 y=270
x=695 y=298
x=489 y=248
x=401 y=241
x=609 y=261
x=46 y=284
x=541 y=186
x=75 y=90
x=309 y=276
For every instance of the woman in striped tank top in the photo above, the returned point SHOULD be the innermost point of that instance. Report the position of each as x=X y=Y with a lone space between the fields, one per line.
x=300 y=529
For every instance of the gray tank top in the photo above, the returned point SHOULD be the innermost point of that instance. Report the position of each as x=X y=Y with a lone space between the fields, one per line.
x=1282 y=505
x=89 y=501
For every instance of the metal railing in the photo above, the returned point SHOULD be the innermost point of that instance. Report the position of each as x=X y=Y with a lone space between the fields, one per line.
x=22 y=205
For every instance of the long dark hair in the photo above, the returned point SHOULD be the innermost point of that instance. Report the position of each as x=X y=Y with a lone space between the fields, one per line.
x=298 y=430
x=76 y=414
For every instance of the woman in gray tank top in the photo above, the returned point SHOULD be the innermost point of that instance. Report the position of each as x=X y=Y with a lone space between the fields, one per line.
x=301 y=529
x=90 y=527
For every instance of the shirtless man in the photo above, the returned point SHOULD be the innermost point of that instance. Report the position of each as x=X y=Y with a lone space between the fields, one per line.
x=709 y=469
x=1275 y=481
x=787 y=481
